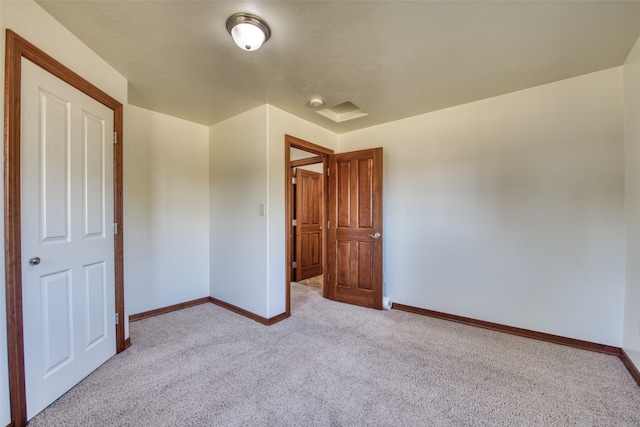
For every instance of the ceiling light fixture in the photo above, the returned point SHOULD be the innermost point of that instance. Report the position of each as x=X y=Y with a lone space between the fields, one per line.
x=248 y=31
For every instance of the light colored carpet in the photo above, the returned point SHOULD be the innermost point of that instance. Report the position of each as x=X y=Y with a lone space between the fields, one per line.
x=332 y=364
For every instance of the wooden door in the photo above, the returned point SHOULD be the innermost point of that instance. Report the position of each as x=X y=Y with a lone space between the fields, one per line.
x=309 y=224
x=355 y=228
x=67 y=205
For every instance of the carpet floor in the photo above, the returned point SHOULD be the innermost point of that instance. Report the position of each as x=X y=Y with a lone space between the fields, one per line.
x=333 y=364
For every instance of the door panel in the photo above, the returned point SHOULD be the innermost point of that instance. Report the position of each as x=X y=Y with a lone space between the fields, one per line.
x=67 y=215
x=365 y=265
x=365 y=193
x=57 y=321
x=355 y=232
x=96 y=288
x=309 y=224
x=94 y=184
x=53 y=168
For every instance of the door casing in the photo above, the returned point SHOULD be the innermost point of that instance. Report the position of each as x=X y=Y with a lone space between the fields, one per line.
x=16 y=49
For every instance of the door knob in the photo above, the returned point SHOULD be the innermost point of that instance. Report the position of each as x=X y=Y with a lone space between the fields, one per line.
x=35 y=260
x=375 y=236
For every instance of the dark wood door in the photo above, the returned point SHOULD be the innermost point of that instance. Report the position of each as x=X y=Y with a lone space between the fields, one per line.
x=309 y=224
x=355 y=228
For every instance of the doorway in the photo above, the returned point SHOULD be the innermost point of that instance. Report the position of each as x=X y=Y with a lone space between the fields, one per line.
x=308 y=156
x=351 y=224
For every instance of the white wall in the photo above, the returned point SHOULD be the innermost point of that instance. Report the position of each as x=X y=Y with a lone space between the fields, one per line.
x=279 y=124
x=511 y=209
x=238 y=183
x=247 y=169
x=166 y=175
x=31 y=22
x=631 y=72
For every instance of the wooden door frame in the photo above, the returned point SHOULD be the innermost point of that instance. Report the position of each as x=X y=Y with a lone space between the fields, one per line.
x=293 y=142
x=16 y=49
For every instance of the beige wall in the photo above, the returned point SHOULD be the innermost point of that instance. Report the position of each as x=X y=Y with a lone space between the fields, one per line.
x=166 y=175
x=511 y=209
x=631 y=71
x=238 y=182
x=29 y=20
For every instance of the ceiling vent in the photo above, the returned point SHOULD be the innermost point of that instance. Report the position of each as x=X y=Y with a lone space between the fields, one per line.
x=343 y=112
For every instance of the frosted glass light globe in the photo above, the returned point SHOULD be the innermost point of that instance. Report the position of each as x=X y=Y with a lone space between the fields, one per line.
x=247 y=36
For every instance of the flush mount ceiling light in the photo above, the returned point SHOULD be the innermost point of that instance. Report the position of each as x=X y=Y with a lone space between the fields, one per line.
x=248 y=31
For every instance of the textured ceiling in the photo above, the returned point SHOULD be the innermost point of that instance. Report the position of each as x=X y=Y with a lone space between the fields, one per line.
x=393 y=59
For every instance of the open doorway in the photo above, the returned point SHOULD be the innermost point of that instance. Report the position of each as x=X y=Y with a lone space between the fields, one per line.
x=351 y=222
x=306 y=254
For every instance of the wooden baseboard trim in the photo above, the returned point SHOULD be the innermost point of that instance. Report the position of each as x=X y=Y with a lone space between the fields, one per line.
x=163 y=310
x=556 y=339
x=276 y=319
x=248 y=314
x=169 y=309
x=127 y=343
x=631 y=367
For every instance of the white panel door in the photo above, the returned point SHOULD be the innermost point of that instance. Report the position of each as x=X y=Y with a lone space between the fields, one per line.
x=66 y=194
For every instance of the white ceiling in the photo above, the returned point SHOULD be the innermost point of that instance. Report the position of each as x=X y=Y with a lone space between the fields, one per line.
x=393 y=59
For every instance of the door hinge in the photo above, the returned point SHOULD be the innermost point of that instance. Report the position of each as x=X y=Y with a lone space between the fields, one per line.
x=115 y=228
x=294 y=222
x=117 y=318
x=294 y=180
x=115 y=137
x=294 y=264
x=328 y=172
